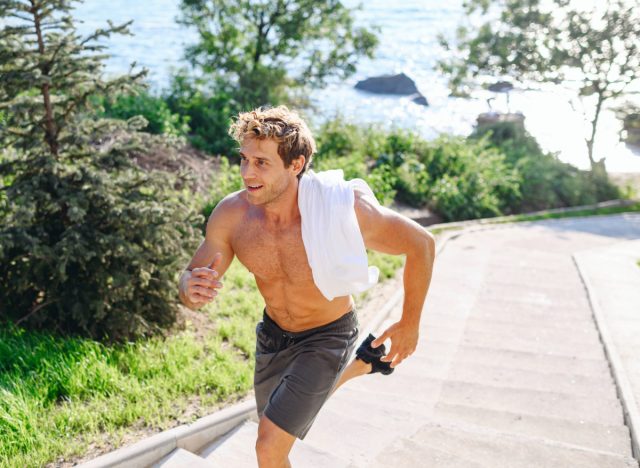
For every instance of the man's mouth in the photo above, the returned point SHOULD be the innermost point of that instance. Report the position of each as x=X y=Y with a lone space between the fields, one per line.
x=253 y=188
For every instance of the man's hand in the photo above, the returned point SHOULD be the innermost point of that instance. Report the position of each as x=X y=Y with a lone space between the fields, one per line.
x=404 y=340
x=199 y=286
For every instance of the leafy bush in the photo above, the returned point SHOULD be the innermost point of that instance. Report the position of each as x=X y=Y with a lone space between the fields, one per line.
x=468 y=179
x=208 y=110
x=545 y=182
x=91 y=247
x=458 y=178
x=160 y=119
x=89 y=243
x=226 y=180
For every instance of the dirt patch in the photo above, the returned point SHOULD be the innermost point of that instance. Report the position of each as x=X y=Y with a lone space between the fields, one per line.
x=175 y=156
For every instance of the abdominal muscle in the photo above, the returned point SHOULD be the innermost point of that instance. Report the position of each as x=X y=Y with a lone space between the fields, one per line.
x=300 y=307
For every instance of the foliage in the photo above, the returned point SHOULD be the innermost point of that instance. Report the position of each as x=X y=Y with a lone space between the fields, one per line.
x=250 y=48
x=226 y=180
x=459 y=179
x=90 y=243
x=208 y=110
x=468 y=179
x=545 y=182
x=154 y=109
x=552 y=41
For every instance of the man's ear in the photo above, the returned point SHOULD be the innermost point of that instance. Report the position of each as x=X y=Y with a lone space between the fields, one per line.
x=298 y=164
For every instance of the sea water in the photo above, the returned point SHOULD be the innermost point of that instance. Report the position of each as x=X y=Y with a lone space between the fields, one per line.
x=408 y=43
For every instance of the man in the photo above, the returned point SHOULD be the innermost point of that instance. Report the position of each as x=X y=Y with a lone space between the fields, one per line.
x=305 y=339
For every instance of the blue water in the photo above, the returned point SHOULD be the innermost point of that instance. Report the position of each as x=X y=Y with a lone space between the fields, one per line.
x=408 y=43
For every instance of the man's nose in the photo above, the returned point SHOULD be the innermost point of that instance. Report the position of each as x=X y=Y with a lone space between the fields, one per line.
x=246 y=172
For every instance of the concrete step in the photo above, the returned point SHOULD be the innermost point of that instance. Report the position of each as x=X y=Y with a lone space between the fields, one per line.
x=515 y=323
x=524 y=360
x=181 y=458
x=237 y=450
x=607 y=438
x=376 y=408
x=423 y=390
x=544 y=292
x=494 y=299
x=497 y=449
x=514 y=343
x=533 y=402
x=406 y=453
x=507 y=276
x=513 y=334
x=510 y=377
x=361 y=434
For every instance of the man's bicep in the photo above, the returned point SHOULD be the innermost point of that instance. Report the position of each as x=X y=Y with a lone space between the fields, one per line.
x=386 y=231
x=217 y=239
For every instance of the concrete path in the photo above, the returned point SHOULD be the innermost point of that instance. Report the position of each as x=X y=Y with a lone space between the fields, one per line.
x=510 y=370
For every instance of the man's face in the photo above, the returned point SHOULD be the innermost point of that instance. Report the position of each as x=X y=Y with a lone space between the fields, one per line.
x=263 y=171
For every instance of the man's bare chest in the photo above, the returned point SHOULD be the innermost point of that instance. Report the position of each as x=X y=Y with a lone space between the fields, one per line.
x=273 y=254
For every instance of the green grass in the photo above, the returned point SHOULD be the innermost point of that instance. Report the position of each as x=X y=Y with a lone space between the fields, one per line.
x=440 y=230
x=571 y=214
x=59 y=397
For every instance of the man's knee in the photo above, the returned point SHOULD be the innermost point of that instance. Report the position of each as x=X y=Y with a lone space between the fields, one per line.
x=273 y=444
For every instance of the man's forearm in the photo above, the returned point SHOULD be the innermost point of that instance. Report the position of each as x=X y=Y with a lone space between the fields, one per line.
x=418 y=270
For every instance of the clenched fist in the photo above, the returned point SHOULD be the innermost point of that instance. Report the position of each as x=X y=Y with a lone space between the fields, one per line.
x=199 y=286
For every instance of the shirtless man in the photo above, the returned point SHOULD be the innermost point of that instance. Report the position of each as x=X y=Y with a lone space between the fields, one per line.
x=304 y=340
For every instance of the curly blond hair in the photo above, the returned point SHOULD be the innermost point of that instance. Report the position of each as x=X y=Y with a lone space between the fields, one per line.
x=280 y=124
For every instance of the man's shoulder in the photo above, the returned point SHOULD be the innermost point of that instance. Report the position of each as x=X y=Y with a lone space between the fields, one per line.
x=235 y=201
x=231 y=208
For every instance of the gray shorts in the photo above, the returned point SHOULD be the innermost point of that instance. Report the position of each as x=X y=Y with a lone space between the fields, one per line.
x=296 y=371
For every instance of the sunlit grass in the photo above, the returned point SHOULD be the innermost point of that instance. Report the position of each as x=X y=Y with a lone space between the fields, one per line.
x=572 y=214
x=60 y=396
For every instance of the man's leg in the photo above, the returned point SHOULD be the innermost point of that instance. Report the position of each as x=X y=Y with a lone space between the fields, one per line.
x=353 y=370
x=273 y=445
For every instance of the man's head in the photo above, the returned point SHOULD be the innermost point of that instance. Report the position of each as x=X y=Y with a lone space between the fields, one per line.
x=283 y=126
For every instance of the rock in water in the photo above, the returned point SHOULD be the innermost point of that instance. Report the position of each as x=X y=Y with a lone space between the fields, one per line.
x=420 y=100
x=388 y=84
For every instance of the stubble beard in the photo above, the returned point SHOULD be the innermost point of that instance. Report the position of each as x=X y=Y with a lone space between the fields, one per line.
x=270 y=194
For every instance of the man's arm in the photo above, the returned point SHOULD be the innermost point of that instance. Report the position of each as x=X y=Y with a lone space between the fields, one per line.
x=386 y=231
x=200 y=281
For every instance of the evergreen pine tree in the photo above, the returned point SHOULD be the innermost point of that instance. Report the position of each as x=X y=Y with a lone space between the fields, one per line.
x=89 y=243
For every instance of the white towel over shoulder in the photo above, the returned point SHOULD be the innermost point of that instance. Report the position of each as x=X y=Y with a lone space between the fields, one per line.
x=331 y=234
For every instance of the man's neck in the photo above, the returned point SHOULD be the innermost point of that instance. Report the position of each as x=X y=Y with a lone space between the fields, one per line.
x=284 y=211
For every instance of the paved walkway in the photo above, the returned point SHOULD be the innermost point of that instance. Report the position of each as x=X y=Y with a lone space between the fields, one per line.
x=510 y=370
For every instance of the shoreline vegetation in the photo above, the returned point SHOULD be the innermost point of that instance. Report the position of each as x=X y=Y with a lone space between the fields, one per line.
x=105 y=188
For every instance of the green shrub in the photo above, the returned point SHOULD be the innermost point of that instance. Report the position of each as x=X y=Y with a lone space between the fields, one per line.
x=209 y=111
x=382 y=180
x=413 y=183
x=91 y=245
x=226 y=180
x=338 y=138
x=460 y=179
x=469 y=179
x=545 y=182
x=160 y=119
